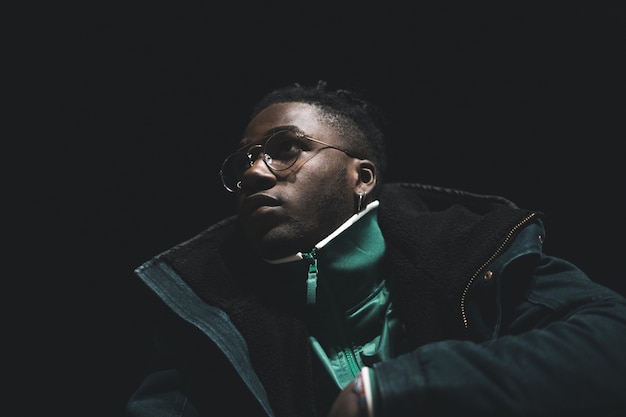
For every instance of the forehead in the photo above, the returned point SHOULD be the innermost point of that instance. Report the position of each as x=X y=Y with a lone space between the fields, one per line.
x=307 y=117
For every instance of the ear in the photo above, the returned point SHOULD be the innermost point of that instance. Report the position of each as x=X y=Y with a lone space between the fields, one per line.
x=367 y=176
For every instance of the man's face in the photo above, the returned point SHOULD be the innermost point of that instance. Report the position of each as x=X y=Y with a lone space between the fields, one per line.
x=289 y=211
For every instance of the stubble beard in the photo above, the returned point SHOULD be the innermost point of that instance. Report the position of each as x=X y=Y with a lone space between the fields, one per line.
x=329 y=211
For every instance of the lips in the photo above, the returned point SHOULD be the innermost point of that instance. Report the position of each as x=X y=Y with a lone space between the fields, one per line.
x=257 y=203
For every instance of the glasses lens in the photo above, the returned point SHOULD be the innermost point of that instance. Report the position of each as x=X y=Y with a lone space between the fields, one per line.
x=282 y=150
x=233 y=168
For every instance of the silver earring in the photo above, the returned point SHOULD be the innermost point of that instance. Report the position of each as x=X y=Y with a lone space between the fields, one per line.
x=359 y=204
x=238 y=185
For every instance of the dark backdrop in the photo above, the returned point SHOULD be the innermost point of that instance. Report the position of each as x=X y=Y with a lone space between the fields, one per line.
x=526 y=102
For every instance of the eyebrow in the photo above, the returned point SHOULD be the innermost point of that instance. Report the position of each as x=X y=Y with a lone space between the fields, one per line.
x=291 y=128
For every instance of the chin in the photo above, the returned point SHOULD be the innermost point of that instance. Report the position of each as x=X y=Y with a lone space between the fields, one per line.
x=276 y=247
x=275 y=241
x=270 y=252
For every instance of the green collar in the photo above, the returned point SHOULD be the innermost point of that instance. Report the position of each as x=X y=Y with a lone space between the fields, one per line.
x=346 y=263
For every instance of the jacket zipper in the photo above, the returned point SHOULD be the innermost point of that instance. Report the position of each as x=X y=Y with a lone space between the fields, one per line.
x=489 y=260
x=311 y=282
x=351 y=360
x=349 y=354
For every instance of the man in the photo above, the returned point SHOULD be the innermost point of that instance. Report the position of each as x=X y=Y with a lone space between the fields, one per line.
x=333 y=294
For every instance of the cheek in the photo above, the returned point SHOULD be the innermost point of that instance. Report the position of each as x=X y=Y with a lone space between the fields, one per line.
x=238 y=200
x=328 y=194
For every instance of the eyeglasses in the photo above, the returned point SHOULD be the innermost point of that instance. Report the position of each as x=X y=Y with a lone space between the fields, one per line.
x=280 y=152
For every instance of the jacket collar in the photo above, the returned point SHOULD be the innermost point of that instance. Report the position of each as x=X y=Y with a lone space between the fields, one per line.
x=352 y=220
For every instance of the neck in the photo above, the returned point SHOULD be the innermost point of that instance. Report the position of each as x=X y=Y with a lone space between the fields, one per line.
x=356 y=217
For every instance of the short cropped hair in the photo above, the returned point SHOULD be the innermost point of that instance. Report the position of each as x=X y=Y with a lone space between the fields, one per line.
x=360 y=123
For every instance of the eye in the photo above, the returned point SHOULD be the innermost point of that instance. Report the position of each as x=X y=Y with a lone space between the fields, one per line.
x=284 y=147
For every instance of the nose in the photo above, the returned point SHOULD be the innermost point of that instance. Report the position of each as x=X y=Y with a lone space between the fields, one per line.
x=258 y=176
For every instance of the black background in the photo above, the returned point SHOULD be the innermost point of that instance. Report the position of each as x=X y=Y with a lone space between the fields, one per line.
x=525 y=102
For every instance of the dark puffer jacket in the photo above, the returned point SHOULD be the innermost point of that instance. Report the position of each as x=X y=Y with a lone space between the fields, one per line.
x=496 y=326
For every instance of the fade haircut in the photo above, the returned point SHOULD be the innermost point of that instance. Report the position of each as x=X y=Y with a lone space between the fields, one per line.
x=360 y=123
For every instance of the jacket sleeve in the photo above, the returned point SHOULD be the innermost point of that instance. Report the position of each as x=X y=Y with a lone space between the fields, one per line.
x=199 y=358
x=162 y=390
x=559 y=350
x=189 y=376
x=160 y=394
